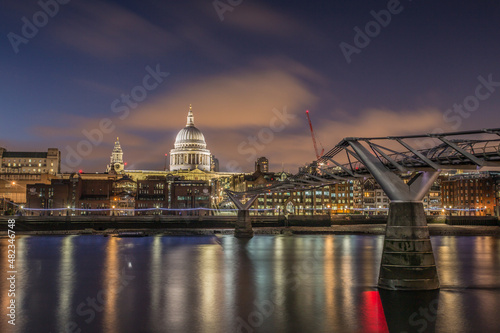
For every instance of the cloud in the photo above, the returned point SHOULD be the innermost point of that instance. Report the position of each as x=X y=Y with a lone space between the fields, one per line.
x=381 y=122
x=239 y=99
x=262 y=19
x=231 y=109
x=109 y=31
x=291 y=149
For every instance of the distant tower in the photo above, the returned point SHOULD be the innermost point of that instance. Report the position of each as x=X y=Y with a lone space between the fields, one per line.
x=116 y=161
x=263 y=162
x=214 y=164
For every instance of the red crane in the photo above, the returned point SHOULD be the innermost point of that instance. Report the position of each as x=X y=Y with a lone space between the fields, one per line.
x=316 y=151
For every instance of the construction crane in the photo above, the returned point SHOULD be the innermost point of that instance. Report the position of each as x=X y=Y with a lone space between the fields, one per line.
x=316 y=151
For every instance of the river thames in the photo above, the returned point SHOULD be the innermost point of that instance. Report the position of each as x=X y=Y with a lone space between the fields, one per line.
x=270 y=283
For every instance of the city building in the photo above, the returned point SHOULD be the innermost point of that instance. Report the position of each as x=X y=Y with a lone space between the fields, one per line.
x=124 y=191
x=214 y=164
x=432 y=201
x=470 y=194
x=189 y=161
x=17 y=169
x=328 y=199
x=72 y=194
x=262 y=163
x=193 y=181
x=190 y=149
x=16 y=162
x=152 y=192
x=186 y=195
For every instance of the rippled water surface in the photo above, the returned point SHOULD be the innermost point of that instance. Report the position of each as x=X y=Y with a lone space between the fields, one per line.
x=310 y=283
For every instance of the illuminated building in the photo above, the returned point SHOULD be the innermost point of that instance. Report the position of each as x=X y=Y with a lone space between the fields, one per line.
x=54 y=195
x=190 y=194
x=214 y=164
x=190 y=150
x=324 y=200
x=262 y=163
x=17 y=169
x=73 y=194
x=152 y=192
x=433 y=204
x=14 y=162
x=123 y=196
x=116 y=161
x=470 y=194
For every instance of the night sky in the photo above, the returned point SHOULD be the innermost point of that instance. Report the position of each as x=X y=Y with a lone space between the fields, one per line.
x=249 y=77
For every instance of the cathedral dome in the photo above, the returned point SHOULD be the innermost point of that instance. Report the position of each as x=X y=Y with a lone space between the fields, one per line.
x=190 y=136
x=190 y=149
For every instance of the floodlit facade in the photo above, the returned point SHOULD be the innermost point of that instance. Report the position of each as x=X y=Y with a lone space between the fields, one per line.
x=17 y=169
x=116 y=160
x=190 y=149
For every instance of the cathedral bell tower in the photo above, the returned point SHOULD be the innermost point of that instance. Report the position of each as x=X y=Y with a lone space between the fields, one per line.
x=116 y=164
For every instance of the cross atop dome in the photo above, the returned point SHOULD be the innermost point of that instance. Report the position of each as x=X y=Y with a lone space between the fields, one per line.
x=190 y=117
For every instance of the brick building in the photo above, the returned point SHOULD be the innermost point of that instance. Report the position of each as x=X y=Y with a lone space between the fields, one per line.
x=152 y=192
x=187 y=194
x=471 y=194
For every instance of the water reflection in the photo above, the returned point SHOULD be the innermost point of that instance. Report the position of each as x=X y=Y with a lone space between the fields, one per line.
x=112 y=284
x=410 y=311
x=66 y=282
x=266 y=284
x=157 y=279
x=18 y=294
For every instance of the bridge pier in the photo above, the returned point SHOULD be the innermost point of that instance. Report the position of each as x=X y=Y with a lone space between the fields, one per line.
x=407 y=259
x=243 y=226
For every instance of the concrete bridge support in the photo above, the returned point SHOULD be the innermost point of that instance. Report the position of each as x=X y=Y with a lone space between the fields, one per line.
x=243 y=227
x=407 y=260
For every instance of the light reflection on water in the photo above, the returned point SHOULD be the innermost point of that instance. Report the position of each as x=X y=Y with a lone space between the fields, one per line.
x=309 y=283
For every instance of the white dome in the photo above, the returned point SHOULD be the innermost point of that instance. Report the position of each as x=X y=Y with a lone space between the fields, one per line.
x=190 y=149
x=190 y=137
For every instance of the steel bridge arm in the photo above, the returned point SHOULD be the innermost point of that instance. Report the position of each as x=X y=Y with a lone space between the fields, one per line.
x=421 y=156
x=393 y=186
x=239 y=204
x=474 y=159
x=393 y=162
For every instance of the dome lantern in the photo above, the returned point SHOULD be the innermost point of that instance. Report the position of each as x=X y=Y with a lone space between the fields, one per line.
x=190 y=117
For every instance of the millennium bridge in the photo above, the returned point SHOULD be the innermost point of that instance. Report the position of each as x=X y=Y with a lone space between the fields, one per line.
x=405 y=167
